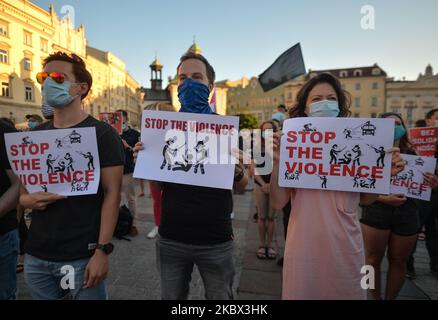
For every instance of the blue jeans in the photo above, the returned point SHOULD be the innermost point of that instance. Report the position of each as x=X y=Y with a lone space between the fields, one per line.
x=9 y=247
x=175 y=261
x=47 y=280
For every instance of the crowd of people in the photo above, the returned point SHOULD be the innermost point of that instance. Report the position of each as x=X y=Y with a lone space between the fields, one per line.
x=327 y=243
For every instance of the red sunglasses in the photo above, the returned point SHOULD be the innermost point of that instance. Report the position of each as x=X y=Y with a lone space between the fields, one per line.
x=58 y=77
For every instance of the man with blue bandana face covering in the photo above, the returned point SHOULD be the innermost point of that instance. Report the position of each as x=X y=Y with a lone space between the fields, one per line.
x=86 y=244
x=193 y=96
x=196 y=223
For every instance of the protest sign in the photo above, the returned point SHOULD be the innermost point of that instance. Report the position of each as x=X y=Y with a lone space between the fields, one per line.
x=188 y=148
x=343 y=154
x=410 y=181
x=59 y=161
x=114 y=119
x=424 y=140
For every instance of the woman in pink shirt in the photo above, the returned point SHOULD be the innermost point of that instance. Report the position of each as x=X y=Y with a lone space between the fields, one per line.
x=324 y=253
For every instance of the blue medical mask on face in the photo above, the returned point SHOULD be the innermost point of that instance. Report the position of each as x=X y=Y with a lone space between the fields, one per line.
x=399 y=132
x=57 y=95
x=32 y=124
x=193 y=96
x=325 y=109
x=124 y=126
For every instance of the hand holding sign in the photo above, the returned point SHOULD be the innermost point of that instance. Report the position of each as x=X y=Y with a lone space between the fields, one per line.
x=397 y=162
x=431 y=180
x=39 y=200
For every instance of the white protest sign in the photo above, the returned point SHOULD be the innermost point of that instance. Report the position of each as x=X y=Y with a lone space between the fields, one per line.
x=342 y=154
x=187 y=148
x=61 y=161
x=410 y=181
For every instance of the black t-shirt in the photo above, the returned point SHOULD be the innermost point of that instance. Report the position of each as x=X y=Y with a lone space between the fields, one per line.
x=196 y=215
x=8 y=222
x=131 y=137
x=64 y=230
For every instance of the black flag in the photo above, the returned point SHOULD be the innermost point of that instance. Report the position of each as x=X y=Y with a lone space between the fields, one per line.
x=287 y=67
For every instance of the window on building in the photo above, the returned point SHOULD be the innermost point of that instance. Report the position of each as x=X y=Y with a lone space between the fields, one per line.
x=27 y=64
x=373 y=115
x=28 y=92
x=27 y=36
x=357 y=102
x=343 y=74
x=4 y=28
x=5 y=92
x=374 y=102
x=357 y=73
x=376 y=72
x=4 y=56
x=409 y=113
x=358 y=86
x=375 y=85
x=44 y=45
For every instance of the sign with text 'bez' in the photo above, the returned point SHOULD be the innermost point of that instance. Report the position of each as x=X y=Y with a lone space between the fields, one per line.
x=62 y=161
x=410 y=181
x=187 y=148
x=424 y=140
x=342 y=154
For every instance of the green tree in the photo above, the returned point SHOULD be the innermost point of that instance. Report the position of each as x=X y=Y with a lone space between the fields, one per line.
x=248 y=121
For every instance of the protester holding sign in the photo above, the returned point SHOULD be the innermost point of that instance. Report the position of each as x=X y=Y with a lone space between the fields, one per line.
x=196 y=223
x=266 y=213
x=9 y=247
x=429 y=210
x=70 y=237
x=391 y=223
x=324 y=252
x=129 y=138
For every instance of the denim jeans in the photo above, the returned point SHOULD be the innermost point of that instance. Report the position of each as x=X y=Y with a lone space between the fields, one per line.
x=9 y=248
x=46 y=280
x=175 y=261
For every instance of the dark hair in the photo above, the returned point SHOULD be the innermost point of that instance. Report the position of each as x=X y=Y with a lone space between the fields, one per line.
x=344 y=99
x=8 y=121
x=271 y=122
x=429 y=115
x=79 y=68
x=125 y=114
x=282 y=106
x=405 y=144
x=420 y=123
x=211 y=75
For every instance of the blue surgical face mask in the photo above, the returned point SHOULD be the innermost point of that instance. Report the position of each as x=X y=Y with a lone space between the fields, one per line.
x=399 y=132
x=124 y=126
x=32 y=124
x=193 y=96
x=325 y=108
x=57 y=95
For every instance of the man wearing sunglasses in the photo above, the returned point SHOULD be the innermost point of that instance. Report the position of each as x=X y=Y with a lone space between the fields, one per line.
x=72 y=235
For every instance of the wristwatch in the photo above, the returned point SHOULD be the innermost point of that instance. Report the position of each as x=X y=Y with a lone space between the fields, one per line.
x=106 y=248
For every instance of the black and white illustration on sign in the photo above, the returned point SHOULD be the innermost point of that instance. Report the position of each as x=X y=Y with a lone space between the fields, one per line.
x=58 y=161
x=410 y=181
x=345 y=154
x=192 y=149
